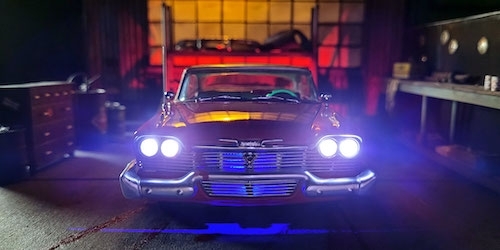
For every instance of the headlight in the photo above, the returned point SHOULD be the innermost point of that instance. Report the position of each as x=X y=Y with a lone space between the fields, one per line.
x=149 y=147
x=327 y=147
x=349 y=147
x=170 y=148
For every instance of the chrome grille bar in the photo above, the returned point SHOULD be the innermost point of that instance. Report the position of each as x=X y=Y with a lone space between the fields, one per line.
x=183 y=163
x=232 y=160
x=253 y=188
x=262 y=161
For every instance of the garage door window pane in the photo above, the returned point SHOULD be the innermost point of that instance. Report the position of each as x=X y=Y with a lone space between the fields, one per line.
x=257 y=32
x=209 y=11
x=155 y=34
x=280 y=12
x=209 y=30
x=328 y=56
x=351 y=35
x=234 y=30
x=257 y=11
x=184 y=11
x=328 y=12
x=302 y=12
x=328 y=35
x=234 y=11
x=184 y=31
x=353 y=12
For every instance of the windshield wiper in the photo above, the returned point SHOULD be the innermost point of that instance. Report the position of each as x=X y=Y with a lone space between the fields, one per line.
x=278 y=98
x=225 y=97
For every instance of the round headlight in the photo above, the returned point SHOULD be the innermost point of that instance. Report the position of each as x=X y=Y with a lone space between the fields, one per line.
x=327 y=147
x=349 y=148
x=149 y=147
x=170 y=148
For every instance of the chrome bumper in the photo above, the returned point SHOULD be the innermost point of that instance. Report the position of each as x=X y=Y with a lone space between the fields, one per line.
x=134 y=187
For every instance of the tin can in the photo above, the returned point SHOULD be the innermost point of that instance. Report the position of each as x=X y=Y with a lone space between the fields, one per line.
x=494 y=83
x=487 y=82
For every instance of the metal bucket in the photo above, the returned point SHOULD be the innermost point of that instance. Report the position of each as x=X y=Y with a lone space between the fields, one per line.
x=90 y=118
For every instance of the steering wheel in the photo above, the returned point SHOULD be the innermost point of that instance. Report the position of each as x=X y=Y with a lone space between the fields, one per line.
x=277 y=92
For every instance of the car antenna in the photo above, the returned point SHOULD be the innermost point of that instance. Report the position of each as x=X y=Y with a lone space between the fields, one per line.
x=164 y=49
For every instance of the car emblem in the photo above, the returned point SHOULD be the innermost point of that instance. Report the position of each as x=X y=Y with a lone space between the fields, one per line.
x=249 y=158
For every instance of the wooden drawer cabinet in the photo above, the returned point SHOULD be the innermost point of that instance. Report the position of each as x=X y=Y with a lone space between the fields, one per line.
x=45 y=110
x=52 y=131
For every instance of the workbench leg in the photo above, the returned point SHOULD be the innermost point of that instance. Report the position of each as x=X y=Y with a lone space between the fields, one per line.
x=453 y=117
x=423 y=120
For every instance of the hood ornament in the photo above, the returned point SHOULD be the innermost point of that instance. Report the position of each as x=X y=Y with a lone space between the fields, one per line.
x=252 y=143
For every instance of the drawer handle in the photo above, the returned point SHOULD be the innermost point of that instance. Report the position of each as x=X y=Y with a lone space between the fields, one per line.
x=47 y=94
x=48 y=113
x=67 y=109
x=46 y=134
x=57 y=94
x=37 y=97
x=65 y=93
x=70 y=143
x=69 y=127
x=48 y=152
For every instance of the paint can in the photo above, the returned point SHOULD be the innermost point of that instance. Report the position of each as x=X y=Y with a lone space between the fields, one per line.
x=487 y=82
x=494 y=83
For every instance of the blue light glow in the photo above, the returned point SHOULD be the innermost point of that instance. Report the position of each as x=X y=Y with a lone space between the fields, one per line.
x=236 y=229
x=249 y=189
x=235 y=162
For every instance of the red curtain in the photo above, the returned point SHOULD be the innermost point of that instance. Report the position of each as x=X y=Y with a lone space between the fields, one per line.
x=385 y=24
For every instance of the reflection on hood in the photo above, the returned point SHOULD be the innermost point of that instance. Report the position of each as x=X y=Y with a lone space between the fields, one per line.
x=193 y=113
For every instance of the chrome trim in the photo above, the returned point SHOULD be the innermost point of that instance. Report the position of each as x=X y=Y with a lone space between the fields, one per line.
x=250 y=188
x=332 y=186
x=253 y=148
x=133 y=186
x=363 y=177
x=256 y=177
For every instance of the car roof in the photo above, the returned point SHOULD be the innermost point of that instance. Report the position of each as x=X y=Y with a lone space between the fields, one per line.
x=247 y=66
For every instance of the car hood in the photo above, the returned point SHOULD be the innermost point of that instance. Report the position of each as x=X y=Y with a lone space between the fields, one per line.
x=216 y=122
x=196 y=113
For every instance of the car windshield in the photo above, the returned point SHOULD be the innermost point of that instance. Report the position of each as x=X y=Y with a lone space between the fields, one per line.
x=247 y=84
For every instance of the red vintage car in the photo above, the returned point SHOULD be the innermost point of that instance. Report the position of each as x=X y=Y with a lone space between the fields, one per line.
x=245 y=135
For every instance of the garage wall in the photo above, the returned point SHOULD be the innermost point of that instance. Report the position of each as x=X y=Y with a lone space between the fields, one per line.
x=40 y=41
x=436 y=39
x=477 y=127
x=340 y=24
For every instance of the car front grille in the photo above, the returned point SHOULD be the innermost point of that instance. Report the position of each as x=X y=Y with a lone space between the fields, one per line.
x=222 y=160
x=272 y=161
x=181 y=164
x=249 y=188
x=250 y=161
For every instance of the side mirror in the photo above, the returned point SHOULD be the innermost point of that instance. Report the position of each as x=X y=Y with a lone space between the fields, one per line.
x=167 y=104
x=325 y=97
x=169 y=95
